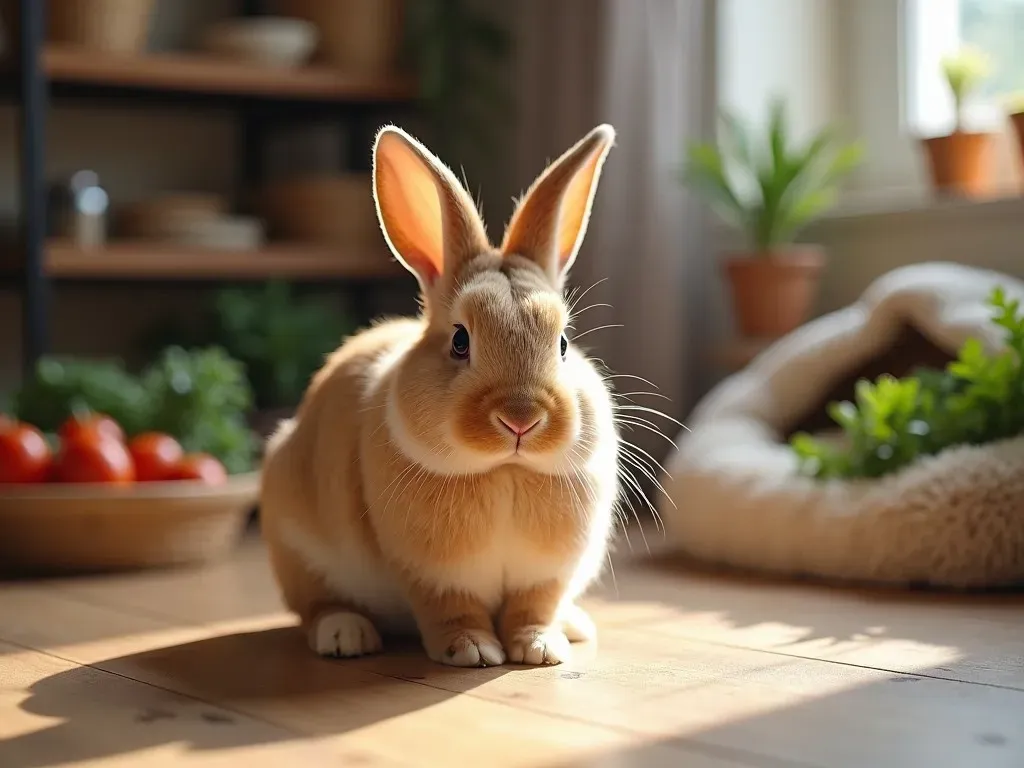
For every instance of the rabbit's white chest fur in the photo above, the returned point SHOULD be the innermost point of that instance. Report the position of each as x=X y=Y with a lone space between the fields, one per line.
x=487 y=556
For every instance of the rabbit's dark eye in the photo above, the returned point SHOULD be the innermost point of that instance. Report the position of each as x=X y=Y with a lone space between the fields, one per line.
x=563 y=345
x=460 y=343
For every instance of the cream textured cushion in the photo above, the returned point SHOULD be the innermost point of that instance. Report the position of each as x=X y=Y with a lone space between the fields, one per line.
x=956 y=519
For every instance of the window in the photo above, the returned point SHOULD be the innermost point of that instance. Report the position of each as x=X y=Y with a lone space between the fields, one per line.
x=935 y=28
x=875 y=67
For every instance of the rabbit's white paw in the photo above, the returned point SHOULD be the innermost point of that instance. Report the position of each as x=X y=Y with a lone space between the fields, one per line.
x=343 y=634
x=538 y=645
x=469 y=648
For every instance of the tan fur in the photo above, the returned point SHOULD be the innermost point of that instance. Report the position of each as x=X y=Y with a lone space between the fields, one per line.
x=397 y=499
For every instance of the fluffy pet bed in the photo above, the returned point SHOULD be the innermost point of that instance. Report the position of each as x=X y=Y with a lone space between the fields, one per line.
x=951 y=520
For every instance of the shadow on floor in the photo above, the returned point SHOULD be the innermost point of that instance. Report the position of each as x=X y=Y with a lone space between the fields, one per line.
x=257 y=676
x=894 y=721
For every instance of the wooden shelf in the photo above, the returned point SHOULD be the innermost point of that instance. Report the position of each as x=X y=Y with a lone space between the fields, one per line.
x=121 y=260
x=198 y=73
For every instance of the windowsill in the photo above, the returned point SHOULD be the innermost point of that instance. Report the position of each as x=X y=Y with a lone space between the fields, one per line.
x=926 y=206
x=905 y=212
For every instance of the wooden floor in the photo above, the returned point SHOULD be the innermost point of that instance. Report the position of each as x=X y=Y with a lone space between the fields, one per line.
x=201 y=668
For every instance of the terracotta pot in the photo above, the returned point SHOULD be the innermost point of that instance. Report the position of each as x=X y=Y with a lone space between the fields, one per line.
x=773 y=293
x=1018 y=127
x=961 y=163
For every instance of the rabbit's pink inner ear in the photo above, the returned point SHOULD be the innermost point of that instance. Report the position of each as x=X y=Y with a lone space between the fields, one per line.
x=577 y=203
x=408 y=205
x=549 y=225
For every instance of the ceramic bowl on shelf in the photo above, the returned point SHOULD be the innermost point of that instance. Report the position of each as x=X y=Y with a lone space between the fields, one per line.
x=158 y=216
x=221 y=233
x=271 y=41
x=62 y=528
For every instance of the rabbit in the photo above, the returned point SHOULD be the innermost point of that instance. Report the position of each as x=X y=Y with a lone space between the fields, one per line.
x=454 y=475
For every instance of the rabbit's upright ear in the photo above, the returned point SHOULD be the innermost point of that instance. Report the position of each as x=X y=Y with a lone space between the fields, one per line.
x=428 y=218
x=550 y=222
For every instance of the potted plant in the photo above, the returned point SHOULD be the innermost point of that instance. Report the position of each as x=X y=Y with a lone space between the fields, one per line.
x=769 y=193
x=960 y=163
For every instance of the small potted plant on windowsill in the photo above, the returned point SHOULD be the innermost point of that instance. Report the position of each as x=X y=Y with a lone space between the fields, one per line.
x=960 y=163
x=770 y=194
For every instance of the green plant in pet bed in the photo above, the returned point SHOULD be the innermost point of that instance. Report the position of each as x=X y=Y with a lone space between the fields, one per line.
x=978 y=398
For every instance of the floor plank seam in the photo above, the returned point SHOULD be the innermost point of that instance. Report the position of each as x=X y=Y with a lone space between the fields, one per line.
x=131 y=609
x=685 y=743
x=902 y=673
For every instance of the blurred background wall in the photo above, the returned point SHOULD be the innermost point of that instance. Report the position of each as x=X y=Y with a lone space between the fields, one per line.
x=656 y=69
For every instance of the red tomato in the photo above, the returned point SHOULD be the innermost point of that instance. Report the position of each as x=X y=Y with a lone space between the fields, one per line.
x=94 y=458
x=201 y=466
x=156 y=456
x=79 y=425
x=24 y=455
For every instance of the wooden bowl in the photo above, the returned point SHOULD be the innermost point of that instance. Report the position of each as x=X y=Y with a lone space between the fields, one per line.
x=56 y=528
x=267 y=40
x=333 y=209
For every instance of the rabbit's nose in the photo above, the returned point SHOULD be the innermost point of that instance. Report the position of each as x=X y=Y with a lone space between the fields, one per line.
x=518 y=415
x=517 y=427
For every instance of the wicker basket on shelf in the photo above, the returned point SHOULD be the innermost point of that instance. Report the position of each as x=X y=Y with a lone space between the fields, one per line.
x=359 y=36
x=109 y=26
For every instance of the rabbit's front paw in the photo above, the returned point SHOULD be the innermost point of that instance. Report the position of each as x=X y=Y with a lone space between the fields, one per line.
x=537 y=645
x=343 y=634
x=468 y=648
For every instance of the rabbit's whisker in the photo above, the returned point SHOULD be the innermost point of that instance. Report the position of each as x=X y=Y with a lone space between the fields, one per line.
x=594 y=330
x=611 y=376
x=630 y=482
x=577 y=299
x=644 y=424
x=629 y=395
x=654 y=411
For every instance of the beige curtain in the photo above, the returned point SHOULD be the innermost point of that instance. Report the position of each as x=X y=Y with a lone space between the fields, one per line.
x=646 y=67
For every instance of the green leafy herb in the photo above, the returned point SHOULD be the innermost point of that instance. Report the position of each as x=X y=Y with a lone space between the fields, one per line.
x=63 y=386
x=977 y=399
x=771 y=191
x=281 y=338
x=200 y=397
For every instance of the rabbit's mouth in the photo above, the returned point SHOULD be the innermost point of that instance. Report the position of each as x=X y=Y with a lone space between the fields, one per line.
x=530 y=421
